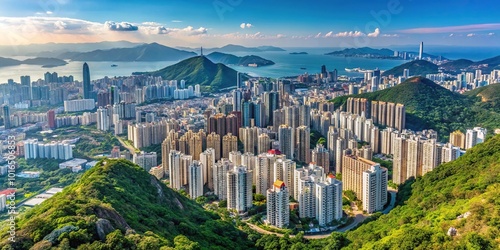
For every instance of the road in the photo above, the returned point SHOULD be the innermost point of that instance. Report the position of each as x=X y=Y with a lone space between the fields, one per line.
x=129 y=147
x=359 y=218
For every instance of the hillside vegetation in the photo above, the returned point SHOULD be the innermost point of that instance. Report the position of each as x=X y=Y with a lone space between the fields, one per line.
x=118 y=205
x=416 y=68
x=199 y=70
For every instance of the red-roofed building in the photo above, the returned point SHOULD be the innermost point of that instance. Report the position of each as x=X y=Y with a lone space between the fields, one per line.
x=274 y=152
x=8 y=191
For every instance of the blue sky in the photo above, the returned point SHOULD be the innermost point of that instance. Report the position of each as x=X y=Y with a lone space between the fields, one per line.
x=256 y=22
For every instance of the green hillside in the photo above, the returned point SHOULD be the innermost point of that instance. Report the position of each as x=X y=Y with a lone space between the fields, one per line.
x=434 y=203
x=417 y=68
x=118 y=205
x=486 y=93
x=457 y=65
x=430 y=106
x=200 y=70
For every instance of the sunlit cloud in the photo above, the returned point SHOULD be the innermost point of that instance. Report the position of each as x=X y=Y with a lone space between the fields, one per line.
x=246 y=25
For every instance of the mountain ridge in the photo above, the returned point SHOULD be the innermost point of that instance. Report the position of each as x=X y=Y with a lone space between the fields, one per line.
x=145 y=52
x=199 y=70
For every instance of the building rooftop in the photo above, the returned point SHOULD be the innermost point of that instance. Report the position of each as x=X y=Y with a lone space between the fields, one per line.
x=279 y=184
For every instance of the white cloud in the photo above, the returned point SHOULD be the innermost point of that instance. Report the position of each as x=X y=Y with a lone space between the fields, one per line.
x=49 y=13
x=154 y=28
x=42 y=24
x=343 y=34
x=375 y=33
x=389 y=35
x=176 y=21
x=318 y=35
x=123 y=26
x=246 y=25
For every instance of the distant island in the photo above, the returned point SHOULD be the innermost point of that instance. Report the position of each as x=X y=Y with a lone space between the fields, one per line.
x=247 y=61
x=372 y=53
x=299 y=53
x=423 y=67
x=231 y=48
x=43 y=61
x=464 y=65
x=152 y=52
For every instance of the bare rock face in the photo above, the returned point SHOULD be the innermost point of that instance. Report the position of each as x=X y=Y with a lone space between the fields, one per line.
x=103 y=228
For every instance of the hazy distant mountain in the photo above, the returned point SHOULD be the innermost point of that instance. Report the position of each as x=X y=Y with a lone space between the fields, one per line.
x=417 y=68
x=4 y=62
x=199 y=70
x=218 y=57
x=464 y=65
x=368 y=52
x=231 y=48
x=54 y=49
x=145 y=52
x=45 y=62
x=363 y=52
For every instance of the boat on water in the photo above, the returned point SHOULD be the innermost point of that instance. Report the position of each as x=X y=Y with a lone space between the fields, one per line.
x=357 y=70
x=114 y=65
x=303 y=68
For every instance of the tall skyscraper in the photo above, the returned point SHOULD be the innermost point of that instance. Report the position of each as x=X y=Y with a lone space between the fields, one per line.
x=303 y=146
x=321 y=157
x=103 y=121
x=237 y=96
x=207 y=160
x=220 y=170
x=328 y=200
x=284 y=170
x=214 y=141
x=6 y=117
x=400 y=153
x=174 y=159
x=287 y=145
x=278 y=205
x=264 y=143
x=229 y=144
x=374 y=188
x=51 y=118
x=239 y=189
x=400 y=117
x=86 y=81
x=421 y=51
x=352 y=173
x=195 y=180
x=431 y=156
x=457 y=139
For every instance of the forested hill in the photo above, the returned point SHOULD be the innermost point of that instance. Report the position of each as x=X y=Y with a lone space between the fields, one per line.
x=118 y=205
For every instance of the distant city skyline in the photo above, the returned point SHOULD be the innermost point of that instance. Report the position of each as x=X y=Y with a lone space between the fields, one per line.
x=281 y=23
